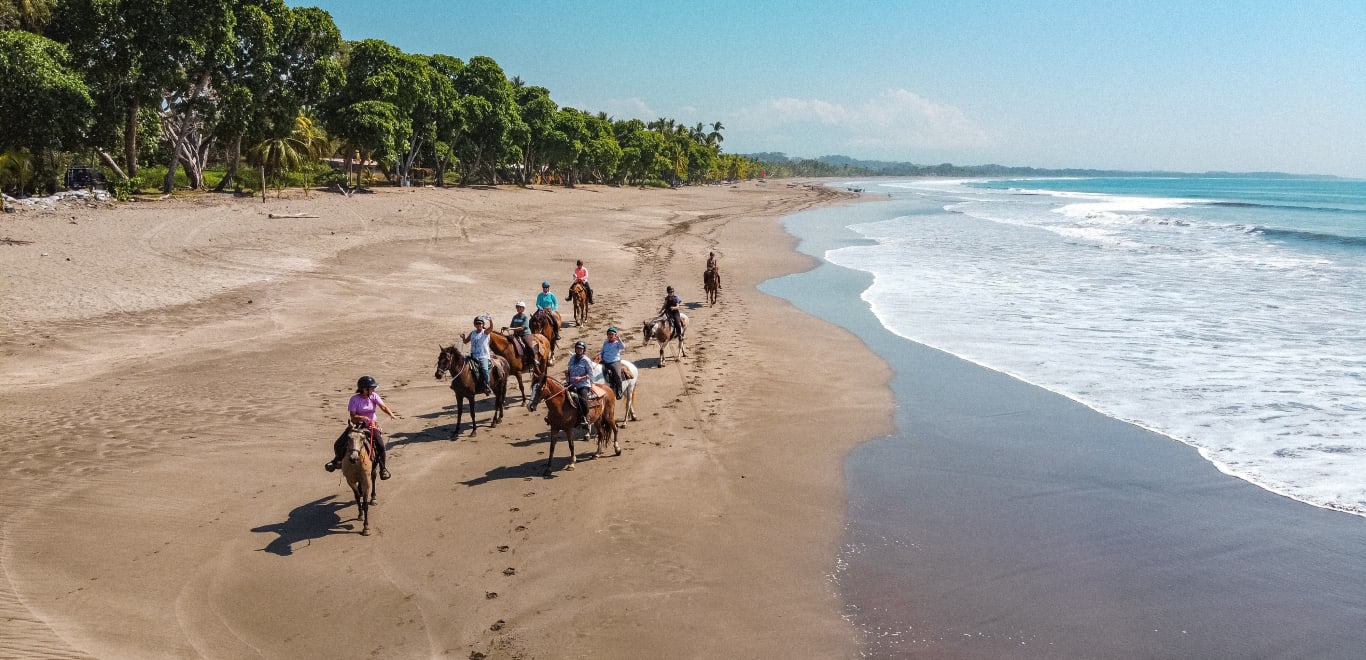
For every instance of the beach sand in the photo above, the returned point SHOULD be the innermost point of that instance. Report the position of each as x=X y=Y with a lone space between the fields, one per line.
x=177 y=371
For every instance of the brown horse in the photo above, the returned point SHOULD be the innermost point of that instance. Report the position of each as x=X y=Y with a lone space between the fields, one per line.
x=358 y=466
x=540 y=325
x=560 y=415
x=660 y=330
x=462 y=383
x=509 y=349
x=579 y=295
x=711 y=283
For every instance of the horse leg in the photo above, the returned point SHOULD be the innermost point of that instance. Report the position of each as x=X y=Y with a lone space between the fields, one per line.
x=372 y=496
x=521 y=388
x=550 y=460
x=573 y=456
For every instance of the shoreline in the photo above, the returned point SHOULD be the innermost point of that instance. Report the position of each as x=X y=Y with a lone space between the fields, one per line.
x=174 y=430
x=1002 y=519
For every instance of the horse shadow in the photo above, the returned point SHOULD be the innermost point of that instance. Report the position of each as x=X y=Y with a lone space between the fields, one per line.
x=313 y=520
x=693 y=305
x=431 y=434
x=531 y=468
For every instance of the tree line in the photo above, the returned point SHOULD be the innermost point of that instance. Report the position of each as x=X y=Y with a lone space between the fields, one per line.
x=191 y=85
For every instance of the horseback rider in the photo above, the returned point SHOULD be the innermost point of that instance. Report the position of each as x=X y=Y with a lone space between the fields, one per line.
x=520 y=327
x=670 y=310
x=546 y=300
x=581 y=277
x=610 y=357
x=712 y=268
x=361 y=410
x=579 y=378
x=479 y=352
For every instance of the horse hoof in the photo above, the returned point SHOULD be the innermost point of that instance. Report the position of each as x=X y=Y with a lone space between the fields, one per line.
x=618 y=452
x=365 y=532
x=568 y=468
x=373 y=502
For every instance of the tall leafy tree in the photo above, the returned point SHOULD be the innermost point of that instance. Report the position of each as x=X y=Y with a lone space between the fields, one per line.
x=30 y=15
x=284 y=62
x=129 y=53
x=390 y=104
x=45 y=104
x=492 y=123
x=538 y=113
x=451 y=120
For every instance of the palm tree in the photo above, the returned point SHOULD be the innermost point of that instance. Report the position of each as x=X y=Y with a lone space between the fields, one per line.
x=714 y=137
x=277 y=155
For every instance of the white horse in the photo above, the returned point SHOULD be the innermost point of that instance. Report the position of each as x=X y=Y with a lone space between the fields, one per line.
x=628 y=385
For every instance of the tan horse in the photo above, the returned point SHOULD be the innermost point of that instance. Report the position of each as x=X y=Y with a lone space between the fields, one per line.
x=711 y=283
x=560 y=415
x=660 y=330
x=579 y=295
x=358 y=466
x=507 y=348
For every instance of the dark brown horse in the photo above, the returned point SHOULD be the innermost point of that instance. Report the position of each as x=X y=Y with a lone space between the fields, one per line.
x=358 y=466
x=560 y=415
x=540 y=325
x=462 y=383
x=508 y=349
x=711 y=283
x=579 y=295
x=659 y=329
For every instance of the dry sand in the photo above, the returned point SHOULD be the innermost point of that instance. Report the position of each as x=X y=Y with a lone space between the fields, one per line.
x=177 y=370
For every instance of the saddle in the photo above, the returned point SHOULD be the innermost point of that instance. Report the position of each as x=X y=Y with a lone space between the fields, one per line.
x=595 y=397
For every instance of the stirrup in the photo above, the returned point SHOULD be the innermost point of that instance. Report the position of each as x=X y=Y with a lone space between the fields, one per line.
x=384 y=473
x=331 y=466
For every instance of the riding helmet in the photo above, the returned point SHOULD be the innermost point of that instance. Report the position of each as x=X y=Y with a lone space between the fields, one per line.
x=479 y=320
x=579 y=344
x=612 y=329
x=545 y=284
x=364 y=382
x=520 y=304
x=669 y=289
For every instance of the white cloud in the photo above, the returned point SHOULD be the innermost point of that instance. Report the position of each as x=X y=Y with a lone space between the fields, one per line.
x=895 y=123
x=631 y=108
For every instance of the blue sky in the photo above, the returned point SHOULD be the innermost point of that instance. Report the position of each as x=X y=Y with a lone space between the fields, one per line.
x=1191 y=86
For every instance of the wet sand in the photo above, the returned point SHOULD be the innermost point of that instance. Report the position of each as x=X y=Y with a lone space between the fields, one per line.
x=178 y=370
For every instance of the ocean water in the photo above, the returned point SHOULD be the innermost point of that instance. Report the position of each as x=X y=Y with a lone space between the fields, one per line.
x=1228 y=314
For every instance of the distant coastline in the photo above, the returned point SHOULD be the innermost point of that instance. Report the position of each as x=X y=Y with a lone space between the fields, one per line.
x=846 y=166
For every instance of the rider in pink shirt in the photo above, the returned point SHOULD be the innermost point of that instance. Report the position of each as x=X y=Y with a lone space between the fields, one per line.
x=361 y=409
x=581 y=275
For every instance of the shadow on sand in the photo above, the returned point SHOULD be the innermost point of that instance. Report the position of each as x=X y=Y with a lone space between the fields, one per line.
x=313 y=520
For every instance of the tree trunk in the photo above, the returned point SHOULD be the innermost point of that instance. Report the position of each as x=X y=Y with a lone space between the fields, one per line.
x=109 y=160
x=263 y=184
x=234 y=159
x=130 y=140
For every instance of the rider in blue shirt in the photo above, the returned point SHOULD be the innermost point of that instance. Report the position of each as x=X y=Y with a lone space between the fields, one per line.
x=547 y=301
x=479 y=352
x=579 y=379
x=611 y=360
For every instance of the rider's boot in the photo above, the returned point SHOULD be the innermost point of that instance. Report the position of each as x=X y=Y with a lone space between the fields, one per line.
x=332 y=465
x=383 y=470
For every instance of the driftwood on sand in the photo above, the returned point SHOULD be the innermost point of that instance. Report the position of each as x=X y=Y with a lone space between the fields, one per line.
x=290 y=215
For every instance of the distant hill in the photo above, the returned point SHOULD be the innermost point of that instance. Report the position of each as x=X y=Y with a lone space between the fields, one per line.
x=781 y=164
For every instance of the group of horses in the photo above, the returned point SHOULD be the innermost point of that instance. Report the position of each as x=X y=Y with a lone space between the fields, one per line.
x=509 y=360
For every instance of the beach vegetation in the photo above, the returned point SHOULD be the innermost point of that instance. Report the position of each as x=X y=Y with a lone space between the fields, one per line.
x=230 y=94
